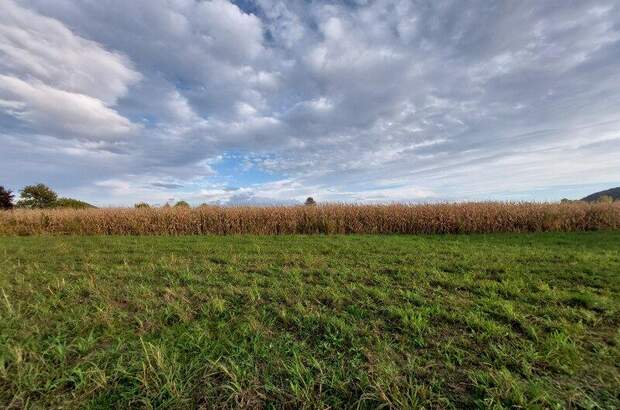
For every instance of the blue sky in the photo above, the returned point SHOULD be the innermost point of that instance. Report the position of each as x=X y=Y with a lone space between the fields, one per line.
x=268 y=101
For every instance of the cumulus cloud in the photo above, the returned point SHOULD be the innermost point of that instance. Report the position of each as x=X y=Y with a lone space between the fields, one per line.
x=58 y=82
x=360 y=101
x=61 y=112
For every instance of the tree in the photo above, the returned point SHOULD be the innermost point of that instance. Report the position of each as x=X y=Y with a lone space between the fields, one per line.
x=6 y=198
x=181 y=204
x=605 y=199
x=141 y=205
x=310 y=201
x=37 y=196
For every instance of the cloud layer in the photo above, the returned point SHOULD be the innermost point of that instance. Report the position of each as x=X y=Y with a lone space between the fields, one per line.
x=272 y=101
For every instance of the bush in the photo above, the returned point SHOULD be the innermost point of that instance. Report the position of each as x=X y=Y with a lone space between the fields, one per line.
x=310 y=201
x=72 y=203
x=182 y=204
x=142 y=205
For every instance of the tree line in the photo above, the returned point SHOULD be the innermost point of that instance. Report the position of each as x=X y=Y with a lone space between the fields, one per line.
x=38 y=196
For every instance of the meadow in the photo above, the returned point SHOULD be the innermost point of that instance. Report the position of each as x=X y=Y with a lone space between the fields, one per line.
x=484 y=217
x=529 y=320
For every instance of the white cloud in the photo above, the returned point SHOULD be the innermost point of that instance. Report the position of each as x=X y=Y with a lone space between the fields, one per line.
x=57 y=81
x=227 y=31
x=60 y=112
x=331 y=99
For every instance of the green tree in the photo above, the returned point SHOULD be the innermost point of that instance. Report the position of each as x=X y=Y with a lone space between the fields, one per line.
x=310 y=201
x=141 y=205
x=181 y=204
x=6 y=198
x=37 y=196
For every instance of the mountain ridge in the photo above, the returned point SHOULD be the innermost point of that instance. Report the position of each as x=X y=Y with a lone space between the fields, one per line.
x=612 y=192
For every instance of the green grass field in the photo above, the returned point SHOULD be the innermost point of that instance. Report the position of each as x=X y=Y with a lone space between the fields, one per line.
x=529 y=320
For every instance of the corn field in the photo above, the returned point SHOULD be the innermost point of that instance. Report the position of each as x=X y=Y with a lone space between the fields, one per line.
x=484 y=217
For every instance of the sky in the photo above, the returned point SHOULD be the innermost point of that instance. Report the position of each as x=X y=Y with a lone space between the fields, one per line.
x=272 y=101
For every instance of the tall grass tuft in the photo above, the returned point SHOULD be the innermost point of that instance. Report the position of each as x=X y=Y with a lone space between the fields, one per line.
x=472 y=217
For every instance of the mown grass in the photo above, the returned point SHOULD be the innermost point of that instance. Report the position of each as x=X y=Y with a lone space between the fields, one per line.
x=502 y=320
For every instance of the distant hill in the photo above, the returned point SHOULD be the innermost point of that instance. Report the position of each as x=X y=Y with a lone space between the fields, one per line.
x=613 y=192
